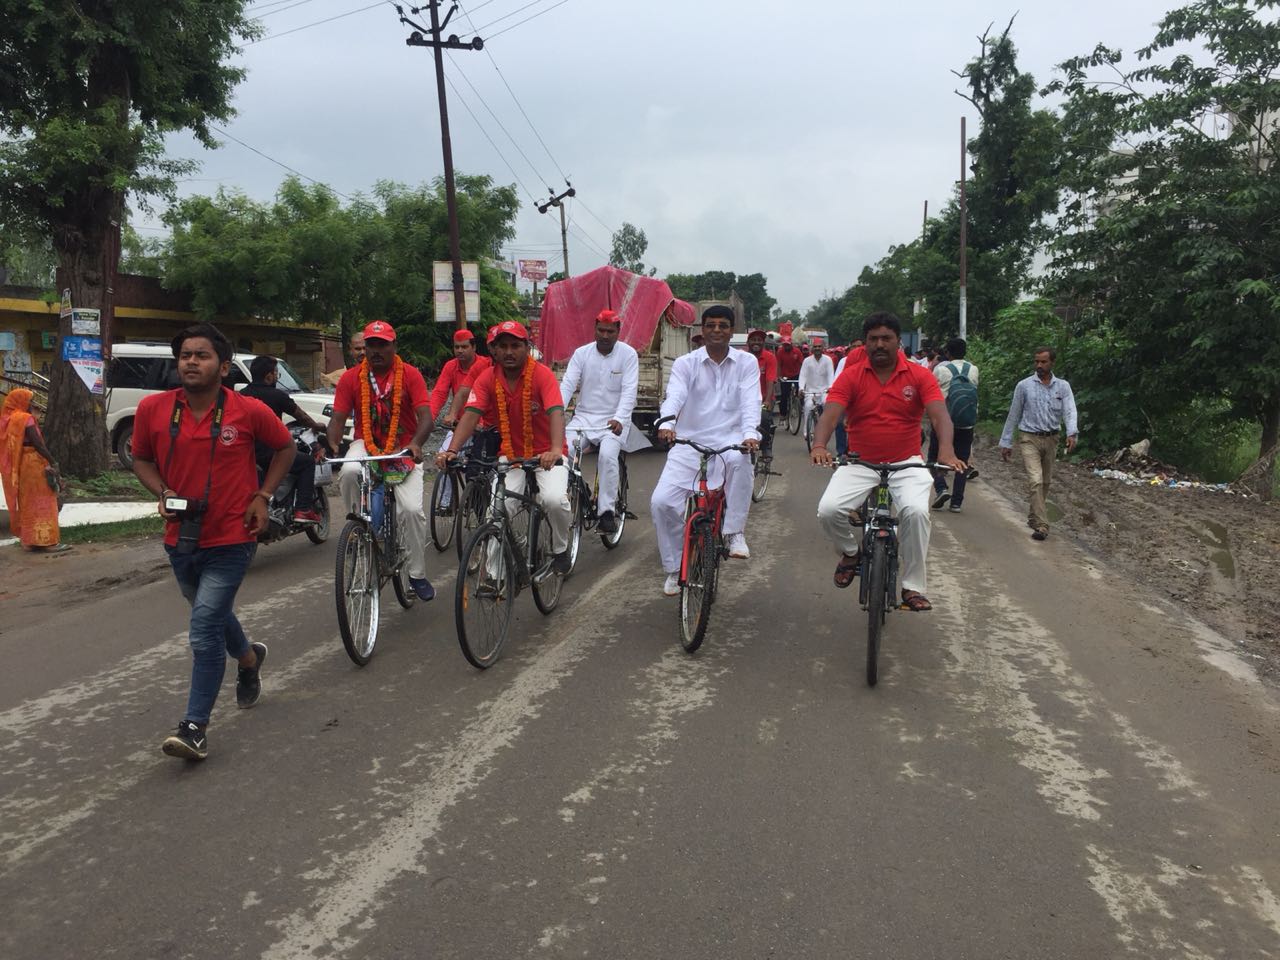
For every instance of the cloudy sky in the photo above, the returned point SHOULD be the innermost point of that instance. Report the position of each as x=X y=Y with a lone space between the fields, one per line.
x=795 y=139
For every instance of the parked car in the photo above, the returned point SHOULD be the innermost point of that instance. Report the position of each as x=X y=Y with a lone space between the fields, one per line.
x=138 y=369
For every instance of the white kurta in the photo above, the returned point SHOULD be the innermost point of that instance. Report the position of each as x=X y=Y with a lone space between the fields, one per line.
x=606 y=386
x=816 y=377
x=715 y=404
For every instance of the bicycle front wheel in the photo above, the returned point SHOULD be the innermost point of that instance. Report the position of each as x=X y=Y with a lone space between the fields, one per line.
x=444 y=519
x=576 y=500
x=698 y=590
x=483 y=596
x=611 y=540
x=545 y=581
x=471 y=511
x=877 y=566
x=793 y=415
x=760 y=477
x=356 y=590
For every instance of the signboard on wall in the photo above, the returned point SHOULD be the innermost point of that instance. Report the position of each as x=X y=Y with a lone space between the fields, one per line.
x=85 y=322
x=535 y=270
x=81 y=348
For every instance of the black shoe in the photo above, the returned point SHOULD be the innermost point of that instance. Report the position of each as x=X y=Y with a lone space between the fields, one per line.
x=940 y=500
x=607 y=523
x=249 y=681
x=562 y=563
x=189 y=743
x=971 y=473
x=1040 y=535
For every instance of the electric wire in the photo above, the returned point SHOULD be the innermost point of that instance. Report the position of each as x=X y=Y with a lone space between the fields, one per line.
x=279 y=9
x=319 y=183
x=508 y=16
x=308 y=26
x=526 y=20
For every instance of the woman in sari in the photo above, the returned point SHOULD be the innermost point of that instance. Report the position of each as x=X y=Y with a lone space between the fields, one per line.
x=27 y=470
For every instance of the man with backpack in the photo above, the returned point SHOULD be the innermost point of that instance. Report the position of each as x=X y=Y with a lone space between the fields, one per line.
x=958 y=379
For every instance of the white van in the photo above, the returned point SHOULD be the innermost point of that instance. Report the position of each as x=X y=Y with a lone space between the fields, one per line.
x=138 y=369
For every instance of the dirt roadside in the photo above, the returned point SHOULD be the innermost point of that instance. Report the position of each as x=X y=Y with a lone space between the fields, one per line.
x=1216 y=555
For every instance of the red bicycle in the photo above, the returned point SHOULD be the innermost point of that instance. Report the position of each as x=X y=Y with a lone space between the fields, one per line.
x=703 y=548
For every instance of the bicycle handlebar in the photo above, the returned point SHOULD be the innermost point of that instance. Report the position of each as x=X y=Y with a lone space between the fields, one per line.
x=707 y=451
x=888 y=467
x=406 y=452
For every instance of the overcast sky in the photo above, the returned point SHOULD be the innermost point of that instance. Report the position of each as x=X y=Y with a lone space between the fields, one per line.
x=795 y=139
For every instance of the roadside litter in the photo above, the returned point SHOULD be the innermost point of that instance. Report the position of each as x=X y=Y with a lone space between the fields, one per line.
x=1135 y=467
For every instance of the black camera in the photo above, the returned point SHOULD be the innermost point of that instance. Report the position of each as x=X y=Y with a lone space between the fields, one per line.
x=190 y=517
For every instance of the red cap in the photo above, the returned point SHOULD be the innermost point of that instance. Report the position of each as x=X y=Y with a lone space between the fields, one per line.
x=462 y=336
x=609 y=316
x=380 y=330
x=786 y=339
x=511 y=328
x=752 y=333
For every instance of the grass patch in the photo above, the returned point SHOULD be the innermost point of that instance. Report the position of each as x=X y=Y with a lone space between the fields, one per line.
x=109 y=485
x=110 y=532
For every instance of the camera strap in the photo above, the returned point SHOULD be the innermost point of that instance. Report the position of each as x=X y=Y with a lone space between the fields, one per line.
x=215 y=430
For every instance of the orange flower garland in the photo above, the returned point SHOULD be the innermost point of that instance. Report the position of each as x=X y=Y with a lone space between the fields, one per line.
x=526 y=408
x=366 y=418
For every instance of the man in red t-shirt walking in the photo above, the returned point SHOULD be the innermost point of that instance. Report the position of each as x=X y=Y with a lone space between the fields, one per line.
x=883 y=396
x=392 y=412
x=193 y=448
x=523 y=397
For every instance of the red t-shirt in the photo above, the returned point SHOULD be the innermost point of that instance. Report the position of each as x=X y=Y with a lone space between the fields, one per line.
x=883 y=420
x=346 y=400
x=235 y=470
x=789 y=362
x=768 y=370
x=545 y=398
x=453 y=379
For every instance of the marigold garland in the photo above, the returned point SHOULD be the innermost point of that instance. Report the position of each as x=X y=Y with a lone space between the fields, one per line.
x=526 y=408
x=366 y=421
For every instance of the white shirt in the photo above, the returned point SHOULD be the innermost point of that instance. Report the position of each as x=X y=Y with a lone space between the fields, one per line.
x=840 y=367
x=942 y=373
x=715 y=404
x=816 y=375
x=608 y=384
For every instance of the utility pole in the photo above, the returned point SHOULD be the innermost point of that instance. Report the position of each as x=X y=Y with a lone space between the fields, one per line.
x=924 y=226
x=557 y=200
x=964 y=237
x=439 y=45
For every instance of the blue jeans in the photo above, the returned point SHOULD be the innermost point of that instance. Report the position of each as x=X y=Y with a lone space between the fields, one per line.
x=209 y=579
x=962 y=442
x=842 y=438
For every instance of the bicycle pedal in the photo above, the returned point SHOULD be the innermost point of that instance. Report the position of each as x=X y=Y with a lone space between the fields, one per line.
x=630 y=516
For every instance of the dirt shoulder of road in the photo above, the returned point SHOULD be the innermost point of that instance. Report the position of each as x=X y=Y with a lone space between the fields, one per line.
x=1216 y=555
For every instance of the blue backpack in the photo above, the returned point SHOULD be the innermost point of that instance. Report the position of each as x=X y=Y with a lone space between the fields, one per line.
x=962 y=397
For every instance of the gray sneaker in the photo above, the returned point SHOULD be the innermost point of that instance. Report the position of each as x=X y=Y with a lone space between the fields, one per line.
x=249 y=681
x=954 y=508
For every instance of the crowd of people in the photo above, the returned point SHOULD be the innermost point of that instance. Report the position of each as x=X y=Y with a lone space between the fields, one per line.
x=212 y=456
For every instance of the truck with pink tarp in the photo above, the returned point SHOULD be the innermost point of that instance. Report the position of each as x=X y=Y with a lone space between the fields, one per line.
x=654 y=322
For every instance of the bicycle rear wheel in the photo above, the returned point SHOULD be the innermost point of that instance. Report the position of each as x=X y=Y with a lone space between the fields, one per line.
x=444 y=520
x=611 y=540
x=877 y=593
x=545 y=581
x=356 y=591
x=483 y=596
x=760 y=469
x=793 y=414
x=698 y=590
x=810 y=424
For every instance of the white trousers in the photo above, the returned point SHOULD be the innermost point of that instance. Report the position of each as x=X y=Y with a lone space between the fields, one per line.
x=606 y=463
x=847 y=490
x=553 y=497
x=679 y=479
x=411 y=514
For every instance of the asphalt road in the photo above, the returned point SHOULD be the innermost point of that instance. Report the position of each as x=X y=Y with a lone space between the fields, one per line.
x=1053 y=765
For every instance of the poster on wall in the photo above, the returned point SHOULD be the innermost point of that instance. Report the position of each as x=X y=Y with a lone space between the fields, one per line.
x=442 y=275
x=81 y=348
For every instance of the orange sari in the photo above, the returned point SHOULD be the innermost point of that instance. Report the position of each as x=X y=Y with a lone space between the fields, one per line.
x=33 y=506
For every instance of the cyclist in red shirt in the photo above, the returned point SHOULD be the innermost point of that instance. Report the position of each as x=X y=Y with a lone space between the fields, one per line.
x=193 y=448
x=882 y=396
x=768 y=387
x=789 y=361
x=387 y=394
x=456 y=378
x=523 y=397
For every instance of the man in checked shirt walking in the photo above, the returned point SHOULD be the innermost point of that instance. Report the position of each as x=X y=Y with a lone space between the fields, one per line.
x=1041 y=405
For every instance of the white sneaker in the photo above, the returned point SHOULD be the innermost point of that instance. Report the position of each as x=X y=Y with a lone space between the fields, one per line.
x=737 y=544
x=671 y=586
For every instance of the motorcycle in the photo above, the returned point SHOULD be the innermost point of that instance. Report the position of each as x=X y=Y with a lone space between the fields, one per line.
x=280 y=522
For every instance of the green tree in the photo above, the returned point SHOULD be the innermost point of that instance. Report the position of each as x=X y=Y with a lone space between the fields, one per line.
x=756 y=302
x=88 y=91
x=1172 y=236
x=26 y=262
x=629 y=246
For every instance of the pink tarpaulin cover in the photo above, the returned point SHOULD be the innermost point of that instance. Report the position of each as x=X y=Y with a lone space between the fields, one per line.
x=570 y=308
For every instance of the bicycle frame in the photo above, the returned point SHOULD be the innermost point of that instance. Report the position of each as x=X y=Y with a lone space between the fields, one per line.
x=498 y=511
x=705 y=506
x=386 y=535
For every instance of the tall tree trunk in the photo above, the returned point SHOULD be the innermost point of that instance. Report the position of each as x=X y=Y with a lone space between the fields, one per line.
x=75 y=425
x=1261 y=477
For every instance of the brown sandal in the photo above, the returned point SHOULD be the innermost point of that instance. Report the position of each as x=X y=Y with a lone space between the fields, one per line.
x=916 y=603
x=847 y=569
